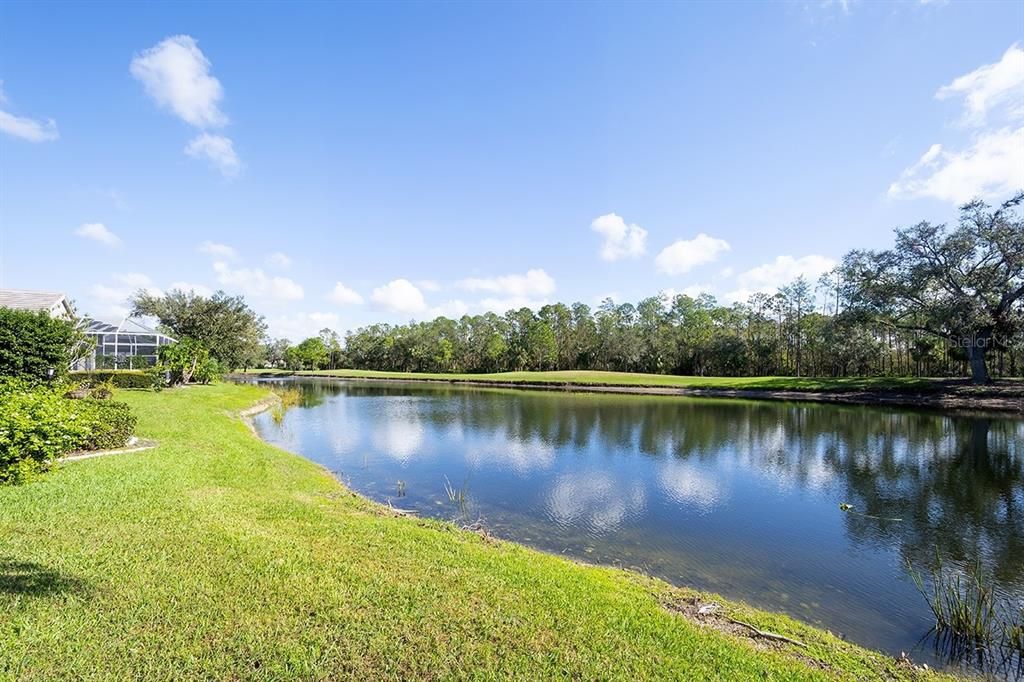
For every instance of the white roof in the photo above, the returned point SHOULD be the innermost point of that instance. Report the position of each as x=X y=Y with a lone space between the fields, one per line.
x=24 y=299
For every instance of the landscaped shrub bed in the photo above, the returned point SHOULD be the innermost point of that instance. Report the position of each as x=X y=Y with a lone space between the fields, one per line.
x=111 y=424
x=38 y=424
x=120 y=378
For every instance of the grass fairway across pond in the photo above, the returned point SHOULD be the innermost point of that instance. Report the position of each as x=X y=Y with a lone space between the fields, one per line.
x=634 y=379
x=218 y=556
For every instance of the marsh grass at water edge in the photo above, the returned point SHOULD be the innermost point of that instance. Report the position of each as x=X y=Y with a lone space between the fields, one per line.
x=973 y=623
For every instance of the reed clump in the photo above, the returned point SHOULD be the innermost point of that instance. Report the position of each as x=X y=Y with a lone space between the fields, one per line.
x=288 y=396
x=970 y=617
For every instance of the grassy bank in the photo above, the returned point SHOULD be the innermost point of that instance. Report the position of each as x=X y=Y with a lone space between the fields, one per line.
x=217 y=556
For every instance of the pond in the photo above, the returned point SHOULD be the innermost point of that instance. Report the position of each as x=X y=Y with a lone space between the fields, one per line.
x=737 y=497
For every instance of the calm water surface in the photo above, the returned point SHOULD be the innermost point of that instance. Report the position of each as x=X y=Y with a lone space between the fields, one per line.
x=738 y=497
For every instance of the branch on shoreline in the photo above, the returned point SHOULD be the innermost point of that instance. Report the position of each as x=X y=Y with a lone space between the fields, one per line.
x=401 y=512
x=765 y=634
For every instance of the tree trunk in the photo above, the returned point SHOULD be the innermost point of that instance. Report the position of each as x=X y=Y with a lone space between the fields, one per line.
x=977 y=348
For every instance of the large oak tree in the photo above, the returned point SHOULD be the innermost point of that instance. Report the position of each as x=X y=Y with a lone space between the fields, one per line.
x=965 y=284
x=224 y=324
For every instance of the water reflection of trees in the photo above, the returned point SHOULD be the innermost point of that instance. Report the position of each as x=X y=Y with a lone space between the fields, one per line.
x=956 y=482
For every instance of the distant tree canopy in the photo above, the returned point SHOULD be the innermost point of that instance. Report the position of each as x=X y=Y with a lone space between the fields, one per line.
x=962 y=285
x=32 y=343
x=940 y=303
x=223 y=324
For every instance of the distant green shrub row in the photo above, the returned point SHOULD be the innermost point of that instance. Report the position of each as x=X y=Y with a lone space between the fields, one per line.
x=120 y=378
x=38 y=424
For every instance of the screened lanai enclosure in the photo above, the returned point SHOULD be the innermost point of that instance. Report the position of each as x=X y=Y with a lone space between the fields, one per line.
x=128 y=345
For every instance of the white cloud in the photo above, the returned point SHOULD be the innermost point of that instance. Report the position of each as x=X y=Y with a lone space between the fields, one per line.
x=535 y=283
x=684 y=255
x=453 y=309
x=399 y=296
x=216 y=250
x=28 y=128
x=992 y=166
x=136 y=280
x=110 y=303
x=98 y=232
x=990 y=87
x=620 y=240
x=503 y=305
x=189 y=287
x=342 y=295
x=218 y=150
x=770 y=277
x=279 y=260
x=299 y=326
x=693 y=291
x=176 y=74
x=257 y=284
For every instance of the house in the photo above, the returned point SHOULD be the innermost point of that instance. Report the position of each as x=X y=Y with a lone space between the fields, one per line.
x=128 y=345
x=55 y=304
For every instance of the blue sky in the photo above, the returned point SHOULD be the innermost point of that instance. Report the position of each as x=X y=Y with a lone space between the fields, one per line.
x=341 y=164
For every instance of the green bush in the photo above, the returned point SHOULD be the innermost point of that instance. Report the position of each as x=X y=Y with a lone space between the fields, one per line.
x=111 y=424
x=33 y=342
x=121 y=378
x=188 y=361
x=211 y=370
x=38 y=424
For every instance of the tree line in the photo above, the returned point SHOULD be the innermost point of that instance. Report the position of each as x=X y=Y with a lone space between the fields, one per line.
x=944 y=301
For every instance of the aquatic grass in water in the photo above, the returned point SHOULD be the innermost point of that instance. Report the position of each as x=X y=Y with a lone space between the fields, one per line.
x=972 y=625
x=458 y=496
x=1013 y=629
x=962 y=601
x=289 y=396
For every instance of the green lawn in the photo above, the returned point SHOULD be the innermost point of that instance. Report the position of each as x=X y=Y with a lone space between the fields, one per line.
x=218 y=556
x=654 y=380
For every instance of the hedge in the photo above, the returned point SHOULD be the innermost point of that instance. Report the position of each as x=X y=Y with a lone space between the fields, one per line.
x=121 y=378
x=38 y=424
x=111 y=424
